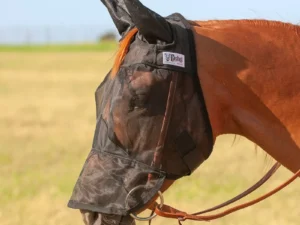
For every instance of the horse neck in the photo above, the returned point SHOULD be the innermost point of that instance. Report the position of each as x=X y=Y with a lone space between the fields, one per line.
x=249 y=74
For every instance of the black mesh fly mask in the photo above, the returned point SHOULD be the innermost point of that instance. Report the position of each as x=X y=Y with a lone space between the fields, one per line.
x=151 y=125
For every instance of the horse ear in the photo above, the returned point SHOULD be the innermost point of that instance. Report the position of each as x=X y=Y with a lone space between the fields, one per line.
x=119 y=14
x=151 y=25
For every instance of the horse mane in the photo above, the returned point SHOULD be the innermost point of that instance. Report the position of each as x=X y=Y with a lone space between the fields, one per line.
x=122 y=51
x=257 y=22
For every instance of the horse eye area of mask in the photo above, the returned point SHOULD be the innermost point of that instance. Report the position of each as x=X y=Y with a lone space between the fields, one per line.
x=137 y=115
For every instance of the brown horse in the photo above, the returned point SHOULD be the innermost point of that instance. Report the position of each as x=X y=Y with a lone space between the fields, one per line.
x=249 y=72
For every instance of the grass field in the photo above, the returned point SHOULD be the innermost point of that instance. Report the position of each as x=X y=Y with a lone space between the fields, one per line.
x=47 y=122
x=85 y=47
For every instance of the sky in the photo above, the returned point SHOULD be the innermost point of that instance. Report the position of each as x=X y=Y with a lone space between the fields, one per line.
x=86 y=16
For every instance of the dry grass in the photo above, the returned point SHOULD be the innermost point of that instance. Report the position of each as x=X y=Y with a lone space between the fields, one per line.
x=47 y=122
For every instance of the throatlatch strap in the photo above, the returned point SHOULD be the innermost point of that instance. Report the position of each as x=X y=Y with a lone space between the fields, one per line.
x=169 y=212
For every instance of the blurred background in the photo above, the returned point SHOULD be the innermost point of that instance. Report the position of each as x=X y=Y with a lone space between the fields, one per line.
x=34 y=22
x=53 y=55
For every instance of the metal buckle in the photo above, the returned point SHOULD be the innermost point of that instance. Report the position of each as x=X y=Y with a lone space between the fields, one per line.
x=150 y=217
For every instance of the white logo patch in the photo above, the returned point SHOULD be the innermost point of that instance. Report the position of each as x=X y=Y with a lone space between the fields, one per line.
x=175 y=59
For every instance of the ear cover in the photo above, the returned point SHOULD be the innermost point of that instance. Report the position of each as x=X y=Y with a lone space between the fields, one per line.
x=151 y=25
x=120 y=15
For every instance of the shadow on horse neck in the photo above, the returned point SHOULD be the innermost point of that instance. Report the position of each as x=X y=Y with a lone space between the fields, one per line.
x=249 y=73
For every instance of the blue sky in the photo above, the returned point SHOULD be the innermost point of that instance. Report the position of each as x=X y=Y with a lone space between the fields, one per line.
x=67 y=13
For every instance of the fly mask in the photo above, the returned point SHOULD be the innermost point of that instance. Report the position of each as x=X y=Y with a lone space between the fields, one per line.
x=152 y=122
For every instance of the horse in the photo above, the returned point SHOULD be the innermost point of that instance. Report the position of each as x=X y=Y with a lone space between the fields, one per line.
x=248 y=71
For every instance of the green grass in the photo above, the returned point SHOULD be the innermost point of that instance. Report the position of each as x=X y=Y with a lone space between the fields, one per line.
x=47 y=121
x=100 y=47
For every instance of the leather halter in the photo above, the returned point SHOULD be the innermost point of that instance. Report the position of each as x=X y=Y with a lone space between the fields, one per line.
x=170 y=212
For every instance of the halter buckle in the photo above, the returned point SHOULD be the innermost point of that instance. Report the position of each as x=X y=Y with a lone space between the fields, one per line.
x=150 y=217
